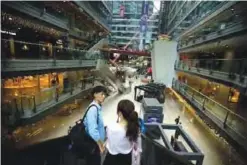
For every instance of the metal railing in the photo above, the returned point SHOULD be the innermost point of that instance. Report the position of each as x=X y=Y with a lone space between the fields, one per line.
x=225 y=116
x=12 y=49
x=30 y=104
x=26 y=8
x=233 y=71
x=237 y=66
x=230 y=28
x=201 y=19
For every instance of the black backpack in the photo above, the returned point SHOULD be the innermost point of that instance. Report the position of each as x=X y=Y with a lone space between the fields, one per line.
x=82 y=144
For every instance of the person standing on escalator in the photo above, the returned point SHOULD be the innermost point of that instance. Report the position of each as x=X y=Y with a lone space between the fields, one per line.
x=94 y=124
x=149 y=72
x=123 y=137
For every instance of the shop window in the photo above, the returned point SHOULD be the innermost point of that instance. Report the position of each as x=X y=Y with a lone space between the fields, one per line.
x=233 y=95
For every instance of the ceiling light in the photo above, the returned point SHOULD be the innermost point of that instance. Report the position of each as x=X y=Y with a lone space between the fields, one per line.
x=10 y=18
x=232 y=9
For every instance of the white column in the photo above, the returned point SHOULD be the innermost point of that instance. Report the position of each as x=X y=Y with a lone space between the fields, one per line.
x=164 y=56
x=227 y=64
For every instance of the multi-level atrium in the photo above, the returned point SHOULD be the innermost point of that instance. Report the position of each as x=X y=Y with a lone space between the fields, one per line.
x=54 y=53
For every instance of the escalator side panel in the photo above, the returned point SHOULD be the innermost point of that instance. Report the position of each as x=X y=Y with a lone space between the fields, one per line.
x=105 y=73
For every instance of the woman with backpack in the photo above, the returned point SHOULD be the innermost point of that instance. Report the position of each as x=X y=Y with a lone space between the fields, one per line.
x=123 y=137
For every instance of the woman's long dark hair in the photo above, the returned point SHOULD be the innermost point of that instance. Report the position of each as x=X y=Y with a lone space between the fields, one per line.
x=127 y=108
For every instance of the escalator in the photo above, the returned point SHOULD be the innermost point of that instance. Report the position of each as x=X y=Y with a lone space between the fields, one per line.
x=106 y=74
x=53 y=152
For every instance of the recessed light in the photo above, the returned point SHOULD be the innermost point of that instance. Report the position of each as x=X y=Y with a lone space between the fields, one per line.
x=232 y=9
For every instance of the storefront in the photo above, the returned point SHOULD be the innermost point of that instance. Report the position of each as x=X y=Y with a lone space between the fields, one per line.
x=23 y=96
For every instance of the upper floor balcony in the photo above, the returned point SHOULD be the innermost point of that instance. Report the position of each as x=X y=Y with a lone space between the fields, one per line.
x=207 y=36
x=39 y=13
x=186 y=16
x=53 y=15
x=233 y=72
x=22 y=58
x=86 y=6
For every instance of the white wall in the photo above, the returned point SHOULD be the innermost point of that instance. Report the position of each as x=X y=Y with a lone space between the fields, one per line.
x=164 y=55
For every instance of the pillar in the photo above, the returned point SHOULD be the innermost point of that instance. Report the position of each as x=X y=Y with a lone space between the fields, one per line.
x=72 y=21
x=227 y=65
x=12 y=47
x=164 y=56
x=49 y=80
x=38 y=83
x=242 y=104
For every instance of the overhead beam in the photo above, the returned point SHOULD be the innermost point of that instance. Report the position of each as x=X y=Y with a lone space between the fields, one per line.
x=126 y=52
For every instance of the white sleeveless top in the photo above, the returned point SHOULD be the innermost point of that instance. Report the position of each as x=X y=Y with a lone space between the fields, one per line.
x=117 y=142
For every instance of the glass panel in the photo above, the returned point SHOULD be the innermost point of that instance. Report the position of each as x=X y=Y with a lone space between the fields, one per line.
x=222 y=65
x=24 y=50
x=199 y=97
x=234 y=121
x=237 y=123
x=216 y=109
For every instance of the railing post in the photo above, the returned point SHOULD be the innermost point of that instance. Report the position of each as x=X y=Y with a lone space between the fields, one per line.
x=82 y=84
x=34 y=104
x=178 y=85
x=93 y=79
x=203 y=104
x=193 y=93
x=71 y=89
x=22 y=105
x=241 y=71
x=54 y=56
x=224 y=124
x=16 y=106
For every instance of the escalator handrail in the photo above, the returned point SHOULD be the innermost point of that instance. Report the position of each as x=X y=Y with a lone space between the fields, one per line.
x=167 y=151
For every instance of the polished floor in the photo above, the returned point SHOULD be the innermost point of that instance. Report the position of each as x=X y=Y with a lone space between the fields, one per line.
x=216 y=151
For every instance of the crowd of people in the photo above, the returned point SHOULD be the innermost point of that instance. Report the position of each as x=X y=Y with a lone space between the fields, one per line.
x=120 y=142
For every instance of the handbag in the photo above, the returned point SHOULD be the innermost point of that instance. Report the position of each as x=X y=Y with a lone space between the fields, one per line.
x=135 y=156
x=136 y=152
x=82 y=144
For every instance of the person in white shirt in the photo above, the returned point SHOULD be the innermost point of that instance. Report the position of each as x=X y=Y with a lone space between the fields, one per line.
x=123 y=136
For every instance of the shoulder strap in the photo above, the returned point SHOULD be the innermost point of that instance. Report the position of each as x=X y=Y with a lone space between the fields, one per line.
x=93 y=105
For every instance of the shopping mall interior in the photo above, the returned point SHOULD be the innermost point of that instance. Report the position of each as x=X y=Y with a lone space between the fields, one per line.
x=189 y=56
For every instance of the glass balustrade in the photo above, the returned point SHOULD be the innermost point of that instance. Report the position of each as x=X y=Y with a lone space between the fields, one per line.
x=224 y=115
x=237 y=66
x=12 y=49
x=26 y=103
